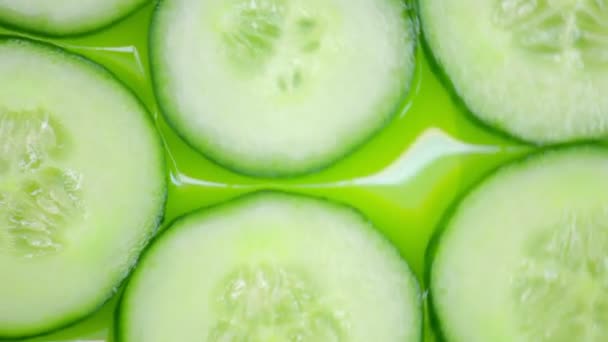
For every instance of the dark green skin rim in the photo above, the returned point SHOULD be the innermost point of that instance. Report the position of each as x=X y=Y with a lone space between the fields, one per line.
x=165 y=108
x=87 y=63
x=440 y=72
x=443 y=226
x=497 y=129
x=119 y=325
x=76 y=33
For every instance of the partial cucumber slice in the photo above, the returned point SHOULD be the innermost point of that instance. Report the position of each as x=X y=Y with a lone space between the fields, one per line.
x=537 y=69
x=271 y=267
x=524 y=256
x=281 y=87
x=64 y=17
x=81 y=186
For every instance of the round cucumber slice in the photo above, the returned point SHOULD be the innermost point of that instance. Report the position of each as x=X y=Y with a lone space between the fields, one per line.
x=271 y=267
x=536 y=69
x=281 y=87
x=64 y=17
x=524 y=255
x=82 y=186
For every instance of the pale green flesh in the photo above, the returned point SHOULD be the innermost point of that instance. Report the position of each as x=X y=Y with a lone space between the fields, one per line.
x=38 y=195
x=70 y=225
x=525 y=255
x=281 y=87
x=271 y=267
x=535 y=69
x=62 y=17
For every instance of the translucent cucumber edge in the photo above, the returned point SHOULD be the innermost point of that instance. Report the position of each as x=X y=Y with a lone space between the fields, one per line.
x=30 y=27
x=168 y=111
x=156 y=223
x=441 y=73
x=119 y=327
x=434 y=244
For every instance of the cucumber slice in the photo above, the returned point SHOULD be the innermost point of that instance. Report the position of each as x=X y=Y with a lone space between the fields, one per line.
x=81 y=186
x=271 y=267
x=64 y=17
x=281 y=87
x=524 y=255
x=536 y=69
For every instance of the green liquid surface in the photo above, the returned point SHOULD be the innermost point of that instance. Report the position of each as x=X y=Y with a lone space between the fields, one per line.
x=404 y=179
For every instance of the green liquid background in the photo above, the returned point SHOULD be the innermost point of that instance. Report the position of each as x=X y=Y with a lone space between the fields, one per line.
x=404 y=179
